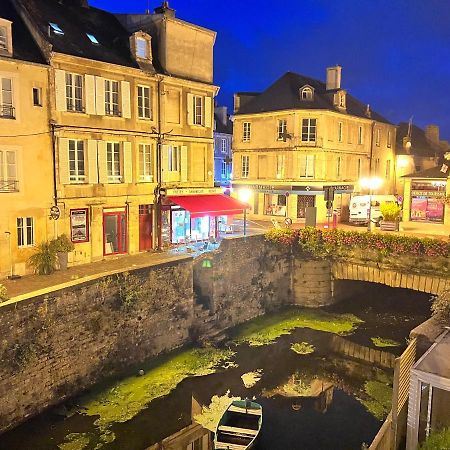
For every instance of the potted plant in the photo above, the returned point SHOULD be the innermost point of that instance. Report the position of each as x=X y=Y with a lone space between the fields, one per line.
x=44 y=259
x=390 y=216
x=62 y=245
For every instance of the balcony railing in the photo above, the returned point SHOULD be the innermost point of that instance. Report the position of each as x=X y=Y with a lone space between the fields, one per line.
x=9 y=186
x=112 y=110
x=7 y=112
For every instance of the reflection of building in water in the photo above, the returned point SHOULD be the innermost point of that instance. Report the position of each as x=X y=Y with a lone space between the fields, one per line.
x=324 y=399
x=192 y=437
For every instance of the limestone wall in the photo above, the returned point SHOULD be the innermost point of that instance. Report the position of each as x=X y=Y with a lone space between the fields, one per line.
x=54 y=346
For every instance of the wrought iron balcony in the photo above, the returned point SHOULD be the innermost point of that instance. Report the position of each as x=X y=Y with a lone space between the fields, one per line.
x=7 y=112
x=9 y=186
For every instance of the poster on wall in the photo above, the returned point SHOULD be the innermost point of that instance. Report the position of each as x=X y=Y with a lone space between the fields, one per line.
x=79 y=227
x=435 y=210
x=419 y=208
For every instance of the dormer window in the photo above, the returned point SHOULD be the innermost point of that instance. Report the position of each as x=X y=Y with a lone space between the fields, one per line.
x=5 y=38
x=339 y=99
x=141 y=43
x=342 y=99
x=56 y=28
x=306 y=93
x=92 y=38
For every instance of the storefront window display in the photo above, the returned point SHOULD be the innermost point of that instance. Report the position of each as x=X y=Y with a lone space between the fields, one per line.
x=426 y=201
x=274 y=204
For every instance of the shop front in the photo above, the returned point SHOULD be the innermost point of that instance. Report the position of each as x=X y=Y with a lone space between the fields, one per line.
x=426 y=201
x=187 y=218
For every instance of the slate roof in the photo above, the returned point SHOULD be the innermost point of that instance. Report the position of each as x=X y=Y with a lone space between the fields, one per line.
x=223 y=128
x=76 y=21
x=434 y=172
x=420 y=145
x=284 y=94
x=24 y=47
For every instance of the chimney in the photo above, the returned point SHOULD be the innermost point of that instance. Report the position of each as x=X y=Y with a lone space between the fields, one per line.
x=432 y=133
x=334 y=78
x=368 y=111
x=165 y=10
x=222 y=114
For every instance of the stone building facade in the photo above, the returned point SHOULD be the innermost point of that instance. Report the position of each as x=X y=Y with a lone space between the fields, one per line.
x=301 y=136
x=223 y=139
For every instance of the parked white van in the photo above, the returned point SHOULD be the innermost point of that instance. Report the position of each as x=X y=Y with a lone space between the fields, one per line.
x=359 y=207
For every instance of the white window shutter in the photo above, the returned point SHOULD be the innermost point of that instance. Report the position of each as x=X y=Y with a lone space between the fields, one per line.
x=60 y=90
x=184 y=163
x=208 y=112
x=126 y=102
x=102 y=168
x=127 y=163
x=190 y=109
x=100 y=96
x=165 y=162
x=63 y=162
x=92 y=162
x=89 y=83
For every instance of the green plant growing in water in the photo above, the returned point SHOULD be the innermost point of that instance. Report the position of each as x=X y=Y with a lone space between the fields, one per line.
x=302 y=348
x=44 y=260
x=379 y=399
x=390 y=211
x=267 y=329
x=384 y=342
x=437 y=440
x=3 y=294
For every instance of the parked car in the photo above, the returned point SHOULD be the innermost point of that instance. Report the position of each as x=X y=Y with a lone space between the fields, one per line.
x=359 y=208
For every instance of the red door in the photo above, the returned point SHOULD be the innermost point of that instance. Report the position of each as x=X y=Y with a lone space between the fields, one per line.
x=145 y=228
x=114 y=232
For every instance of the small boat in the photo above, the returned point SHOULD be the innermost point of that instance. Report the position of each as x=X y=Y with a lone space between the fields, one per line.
x=239 y=426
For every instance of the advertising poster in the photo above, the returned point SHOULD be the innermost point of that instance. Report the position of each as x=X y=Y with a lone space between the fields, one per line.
x=419 y=208
x=79 y=229
x=435 y=210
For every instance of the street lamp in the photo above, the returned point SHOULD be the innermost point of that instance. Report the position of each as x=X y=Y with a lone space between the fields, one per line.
x=370 y=183
x=244 y=196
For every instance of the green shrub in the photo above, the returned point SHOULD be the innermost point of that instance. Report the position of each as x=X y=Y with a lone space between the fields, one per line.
x=441 y=307
x=62 y=244
x=437 y=440
x=44 y=260
x=3 y=294
x=390 y=211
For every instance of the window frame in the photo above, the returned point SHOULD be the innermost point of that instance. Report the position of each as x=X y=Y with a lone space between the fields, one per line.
x=75 y=176
x=174 y=158
x=4 y=39
x=198 y=108
x=308 y=130
x=340 y=132
x=246 y=131
x=56 y=28
x=93 y=39
x=114 y=161
x=24 y=225
x=224 y=145
x=139 y=40
x=245 y=166
x=389 y=139
x=281 y=129
x=310 y=166
x=280 y=167
x=8 y=181
x=74 y=101
x=142 y=100
x=37 y=101
x=224 y=170
x=387 y=172
x=145 y=155
x=377 y=137
x=360 y=135
x=112 y=107
x=7 y=109
x=339 y=167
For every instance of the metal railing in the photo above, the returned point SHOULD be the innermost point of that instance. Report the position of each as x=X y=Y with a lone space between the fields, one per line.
x=7 y=112
x=9 y=186
x=112 y=111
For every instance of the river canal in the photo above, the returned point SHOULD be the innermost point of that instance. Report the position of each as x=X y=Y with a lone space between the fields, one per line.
x=313 y=396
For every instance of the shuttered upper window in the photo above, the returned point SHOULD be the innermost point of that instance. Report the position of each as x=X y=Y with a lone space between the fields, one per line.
x=3 y=39
x=145 y=162
x=144 y=102
x=113 y=162
x=74 y=92
x=77 y=169
x=112 y=98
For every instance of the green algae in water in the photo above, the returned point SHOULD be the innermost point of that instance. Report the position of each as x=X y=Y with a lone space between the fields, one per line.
x=75 y=441
x=267 y=329
x=383 y=342
x=302 y=348
x=251 y=378
x=211 y=414
x=128 y=397
x=379 y=401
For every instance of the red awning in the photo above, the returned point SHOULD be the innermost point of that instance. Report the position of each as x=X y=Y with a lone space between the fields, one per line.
x=209 y=205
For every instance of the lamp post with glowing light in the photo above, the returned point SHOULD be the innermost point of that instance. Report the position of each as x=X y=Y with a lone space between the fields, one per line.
x=371 y=183
x=244 y=196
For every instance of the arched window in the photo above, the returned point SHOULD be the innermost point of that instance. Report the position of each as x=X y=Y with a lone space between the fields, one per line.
x=306 y=93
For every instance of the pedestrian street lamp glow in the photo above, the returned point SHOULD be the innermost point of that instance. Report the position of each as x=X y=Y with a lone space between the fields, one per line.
x=372 y=184
x=244 y=195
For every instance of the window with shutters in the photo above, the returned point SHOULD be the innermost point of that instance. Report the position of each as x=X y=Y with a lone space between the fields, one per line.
x=246 y=131
x=306 y=163
x=198 y=110
x=74 y=92
x=145 y=162
x=360 y=135
x=245 y=166
x=113 y=163
x=77 y=160
x=7 y=110
x=112 y=98
x=144 y=102
x=8 y=171
x=282 y=130
x=25 y=232
x=174 y=158
x=309 y=129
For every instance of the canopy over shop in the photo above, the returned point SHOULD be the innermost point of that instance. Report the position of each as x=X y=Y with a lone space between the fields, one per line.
x=198 y=217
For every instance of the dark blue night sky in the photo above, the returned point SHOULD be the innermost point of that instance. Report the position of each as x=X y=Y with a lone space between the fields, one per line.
x=395 y=53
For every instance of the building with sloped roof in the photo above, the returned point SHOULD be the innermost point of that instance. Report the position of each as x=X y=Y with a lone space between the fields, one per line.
x=223 y=138
x=302 y=137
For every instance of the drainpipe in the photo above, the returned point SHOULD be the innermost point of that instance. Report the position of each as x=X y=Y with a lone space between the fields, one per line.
x=369 y=227
x=55 y=192
x=157 y=191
